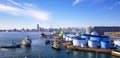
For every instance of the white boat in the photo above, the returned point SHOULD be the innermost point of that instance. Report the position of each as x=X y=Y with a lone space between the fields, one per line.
x=115 y=53
x=26 y=41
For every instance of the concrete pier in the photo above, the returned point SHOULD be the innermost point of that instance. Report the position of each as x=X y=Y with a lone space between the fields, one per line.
x=70 y=46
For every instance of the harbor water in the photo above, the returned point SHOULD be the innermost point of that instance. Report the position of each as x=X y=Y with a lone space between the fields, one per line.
x=39 y=49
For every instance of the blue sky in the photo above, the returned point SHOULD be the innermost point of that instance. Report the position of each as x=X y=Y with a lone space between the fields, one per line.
x=58 y=13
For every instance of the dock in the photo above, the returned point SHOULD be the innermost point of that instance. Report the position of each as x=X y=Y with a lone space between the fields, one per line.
x=70 y=46
x=89 y=49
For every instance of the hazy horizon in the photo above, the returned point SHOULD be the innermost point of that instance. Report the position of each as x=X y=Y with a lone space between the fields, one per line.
x=58 y=13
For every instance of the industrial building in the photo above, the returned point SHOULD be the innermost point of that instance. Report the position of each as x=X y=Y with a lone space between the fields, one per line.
x=102 y=29
x=92 y=40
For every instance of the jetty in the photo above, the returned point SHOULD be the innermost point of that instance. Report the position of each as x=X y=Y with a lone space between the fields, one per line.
x=68 y=45
x=88 y=43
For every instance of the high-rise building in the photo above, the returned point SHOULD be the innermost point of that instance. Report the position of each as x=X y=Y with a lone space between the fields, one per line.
x=38 y=28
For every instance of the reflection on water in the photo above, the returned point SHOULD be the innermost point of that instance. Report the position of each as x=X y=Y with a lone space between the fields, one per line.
x=104 y=56
x=39 y=49
x=36 y=42
x=83 y=54
x=75 y=54
x=3 y=49
x=27 y=51
x=91 y=55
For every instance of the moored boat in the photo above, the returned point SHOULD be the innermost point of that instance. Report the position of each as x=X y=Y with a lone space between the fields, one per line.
x=55 y=46
x=54 y=33
x=115 y=53
x=26 y=41
x=42 y=34
x=47 y=41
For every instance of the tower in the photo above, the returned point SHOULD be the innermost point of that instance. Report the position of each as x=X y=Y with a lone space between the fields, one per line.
x=38 y=28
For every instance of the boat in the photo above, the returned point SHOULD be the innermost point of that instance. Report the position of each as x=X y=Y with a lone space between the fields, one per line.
x=42 y=34
x=11 y=46
x=54 y=33
x=55 y=46
x=115 y=53
x=47 y=41
x=26 y=41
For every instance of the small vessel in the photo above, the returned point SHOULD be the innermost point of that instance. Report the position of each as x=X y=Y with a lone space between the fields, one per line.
x=55 y=46
x=115 y=53
x=26 y=41
x=47 y=41
x=54 y=33
x=42 y=34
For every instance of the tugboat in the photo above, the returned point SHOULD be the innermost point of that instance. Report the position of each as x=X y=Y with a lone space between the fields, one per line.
x=55 y=46
x=26 y=41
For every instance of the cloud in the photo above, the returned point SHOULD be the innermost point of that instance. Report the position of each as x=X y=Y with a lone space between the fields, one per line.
x=109 y=7
x=39 y=14
x=98 y=1
x=76 y=2
x=25 y=10
x=11 y=10
x=98 y=11
x=11 y=1
x=114 y=5
x=28 y=5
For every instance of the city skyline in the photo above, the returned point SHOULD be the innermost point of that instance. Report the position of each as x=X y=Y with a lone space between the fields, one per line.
x=58 y=13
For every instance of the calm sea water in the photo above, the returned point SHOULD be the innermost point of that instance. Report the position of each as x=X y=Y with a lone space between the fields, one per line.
x=39 y=49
